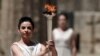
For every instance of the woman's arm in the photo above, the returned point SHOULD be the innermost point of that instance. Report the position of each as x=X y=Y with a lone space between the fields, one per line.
x=16 y=51
x=53 y=51
x=73 y=43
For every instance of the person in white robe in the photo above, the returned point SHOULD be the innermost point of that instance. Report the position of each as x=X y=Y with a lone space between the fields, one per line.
x=64 y=37
x=25 y=47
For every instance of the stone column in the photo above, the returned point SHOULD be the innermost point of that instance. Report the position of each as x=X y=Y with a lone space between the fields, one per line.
x=8 y=25
x=4 y=25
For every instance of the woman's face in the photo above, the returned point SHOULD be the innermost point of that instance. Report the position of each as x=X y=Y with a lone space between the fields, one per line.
x=26 y=29
x=62 y=21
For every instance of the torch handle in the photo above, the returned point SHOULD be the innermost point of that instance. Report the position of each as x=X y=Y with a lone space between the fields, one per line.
x=49 y=28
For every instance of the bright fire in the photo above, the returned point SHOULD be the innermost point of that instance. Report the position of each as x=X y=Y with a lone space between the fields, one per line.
x=50 y=8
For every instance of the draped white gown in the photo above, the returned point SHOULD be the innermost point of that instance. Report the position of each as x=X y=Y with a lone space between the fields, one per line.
x=28 y=50
x=62 y=40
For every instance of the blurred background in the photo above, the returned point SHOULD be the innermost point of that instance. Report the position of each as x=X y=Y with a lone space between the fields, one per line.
x=84 y=19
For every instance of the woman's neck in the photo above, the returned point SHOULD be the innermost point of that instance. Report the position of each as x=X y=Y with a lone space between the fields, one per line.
x=63 y=29
x=26 y=42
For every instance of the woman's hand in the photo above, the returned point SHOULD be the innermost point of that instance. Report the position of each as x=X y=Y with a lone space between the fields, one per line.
x=52 y=48
x=44 y=50
x=48 y=47
x=51 y=45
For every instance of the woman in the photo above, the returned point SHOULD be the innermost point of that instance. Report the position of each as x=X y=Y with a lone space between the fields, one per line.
x=25 y=47
x=64 y=37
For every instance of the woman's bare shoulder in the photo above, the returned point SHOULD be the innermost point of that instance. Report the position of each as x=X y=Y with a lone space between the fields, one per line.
x=14 y=47
x=16 y=50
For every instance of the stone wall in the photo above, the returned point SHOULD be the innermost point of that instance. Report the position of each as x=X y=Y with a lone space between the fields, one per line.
x=86 y=22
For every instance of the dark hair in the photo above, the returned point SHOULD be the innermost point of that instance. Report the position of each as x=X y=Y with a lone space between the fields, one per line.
x=64 y=14
x=24 y=19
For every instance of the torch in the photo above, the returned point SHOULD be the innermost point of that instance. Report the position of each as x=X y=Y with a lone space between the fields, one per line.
x=49 y=13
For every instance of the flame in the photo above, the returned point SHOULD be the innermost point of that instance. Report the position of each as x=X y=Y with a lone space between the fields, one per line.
x=50 y=7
